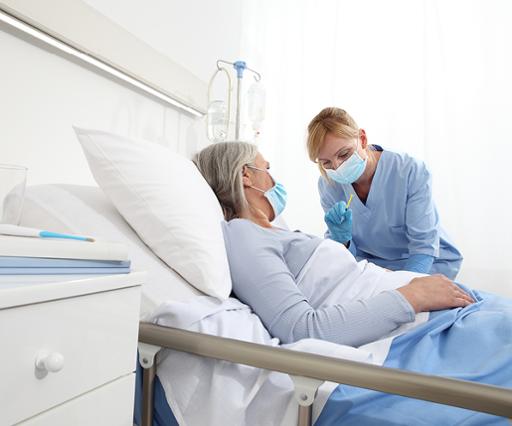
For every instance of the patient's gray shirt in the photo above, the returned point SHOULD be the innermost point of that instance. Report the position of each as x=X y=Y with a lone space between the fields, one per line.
x=265 y=264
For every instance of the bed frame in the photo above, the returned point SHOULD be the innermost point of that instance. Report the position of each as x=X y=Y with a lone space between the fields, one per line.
x=310 y=370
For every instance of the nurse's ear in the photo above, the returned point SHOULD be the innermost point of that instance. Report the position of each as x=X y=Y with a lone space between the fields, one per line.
x=363 y=138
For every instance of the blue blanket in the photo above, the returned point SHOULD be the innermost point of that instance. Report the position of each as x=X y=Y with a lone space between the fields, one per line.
x=473 y=343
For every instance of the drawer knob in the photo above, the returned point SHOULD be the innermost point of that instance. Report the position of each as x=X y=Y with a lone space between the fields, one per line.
x=52 y=362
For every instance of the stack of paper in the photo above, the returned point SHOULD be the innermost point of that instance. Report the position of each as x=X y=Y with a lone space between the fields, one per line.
x=27 y=255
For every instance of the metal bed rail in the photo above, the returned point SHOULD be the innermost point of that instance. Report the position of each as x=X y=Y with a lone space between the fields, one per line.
x=460 y=393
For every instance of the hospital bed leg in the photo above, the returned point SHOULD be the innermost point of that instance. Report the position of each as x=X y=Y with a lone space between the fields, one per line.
x=147 y=355
x=306 y=389
x=305 y=414
x=147 y=395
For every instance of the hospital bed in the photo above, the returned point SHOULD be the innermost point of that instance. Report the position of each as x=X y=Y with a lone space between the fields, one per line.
x=84 y=209
x=38 y=121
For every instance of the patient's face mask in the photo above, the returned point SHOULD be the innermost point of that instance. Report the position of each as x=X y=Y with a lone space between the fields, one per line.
x=350 y=170
x=276 y=195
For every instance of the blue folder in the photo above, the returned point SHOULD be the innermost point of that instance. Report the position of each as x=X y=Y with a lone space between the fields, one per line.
x=47 y=262
x=59 y=271
x=15 y=265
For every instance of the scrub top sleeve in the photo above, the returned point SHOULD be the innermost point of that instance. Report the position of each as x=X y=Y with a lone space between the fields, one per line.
x=419 y=263
x=421 y=219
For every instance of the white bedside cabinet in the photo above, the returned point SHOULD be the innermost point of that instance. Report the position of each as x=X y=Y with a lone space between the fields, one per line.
x=68 y=347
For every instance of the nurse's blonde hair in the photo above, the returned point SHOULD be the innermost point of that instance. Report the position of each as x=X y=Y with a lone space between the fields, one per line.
x=222 y=166
x=330 y=120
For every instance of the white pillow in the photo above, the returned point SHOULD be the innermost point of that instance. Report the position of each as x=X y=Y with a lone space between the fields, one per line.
x=166 y=200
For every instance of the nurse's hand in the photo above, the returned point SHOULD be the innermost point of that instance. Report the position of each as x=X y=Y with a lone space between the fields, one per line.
x=433 y=293
x=339 y=222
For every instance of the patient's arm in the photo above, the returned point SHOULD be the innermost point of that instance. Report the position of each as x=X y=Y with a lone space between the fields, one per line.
x=262 y=279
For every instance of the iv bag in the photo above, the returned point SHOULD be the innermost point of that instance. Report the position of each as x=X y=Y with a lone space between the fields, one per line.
x=217 y=121
x=256 y=105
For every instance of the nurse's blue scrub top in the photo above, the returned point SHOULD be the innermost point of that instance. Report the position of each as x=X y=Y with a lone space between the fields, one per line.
x=399 y=218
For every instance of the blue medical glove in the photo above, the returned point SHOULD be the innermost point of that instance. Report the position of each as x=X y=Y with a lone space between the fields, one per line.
x=419 y=263
x=339 y=222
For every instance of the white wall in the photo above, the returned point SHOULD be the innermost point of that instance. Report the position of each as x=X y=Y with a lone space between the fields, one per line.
x=44 y=94
x=429 y=77
x=194 y=33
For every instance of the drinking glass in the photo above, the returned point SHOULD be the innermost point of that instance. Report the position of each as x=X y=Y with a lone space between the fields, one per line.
x=13 y=179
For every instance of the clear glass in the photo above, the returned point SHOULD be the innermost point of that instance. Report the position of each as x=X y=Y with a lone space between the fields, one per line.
x=13 y=180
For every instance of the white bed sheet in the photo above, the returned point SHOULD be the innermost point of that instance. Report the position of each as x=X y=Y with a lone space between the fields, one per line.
x=206 y=391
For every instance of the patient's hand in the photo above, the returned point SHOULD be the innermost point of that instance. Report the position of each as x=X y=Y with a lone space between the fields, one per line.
x=433 y=293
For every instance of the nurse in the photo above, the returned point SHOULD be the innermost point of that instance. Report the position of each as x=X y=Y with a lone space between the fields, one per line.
x=392 y=220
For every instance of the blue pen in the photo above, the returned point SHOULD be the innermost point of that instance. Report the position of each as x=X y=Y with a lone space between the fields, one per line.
x=23 y=231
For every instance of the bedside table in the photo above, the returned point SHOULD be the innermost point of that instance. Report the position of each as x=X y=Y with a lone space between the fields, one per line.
x=68 y=349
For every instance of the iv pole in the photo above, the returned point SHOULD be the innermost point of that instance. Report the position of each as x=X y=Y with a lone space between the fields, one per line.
x=240 y=67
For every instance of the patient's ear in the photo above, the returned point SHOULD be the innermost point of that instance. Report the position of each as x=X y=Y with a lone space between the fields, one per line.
x=246 y=177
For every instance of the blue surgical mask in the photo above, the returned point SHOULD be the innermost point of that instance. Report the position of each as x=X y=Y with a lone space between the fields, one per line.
x=350 y=170
x=276 y=195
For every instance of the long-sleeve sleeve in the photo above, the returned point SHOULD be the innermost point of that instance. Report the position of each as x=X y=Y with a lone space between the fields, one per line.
x=262 y=279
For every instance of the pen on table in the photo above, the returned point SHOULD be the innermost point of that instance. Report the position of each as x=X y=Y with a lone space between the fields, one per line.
x=22 y=231
x=349 y=200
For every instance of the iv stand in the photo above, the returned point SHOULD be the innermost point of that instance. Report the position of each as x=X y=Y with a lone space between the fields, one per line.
x=240 y=67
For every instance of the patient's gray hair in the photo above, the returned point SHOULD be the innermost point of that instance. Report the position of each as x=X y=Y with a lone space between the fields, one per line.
x=222 y=165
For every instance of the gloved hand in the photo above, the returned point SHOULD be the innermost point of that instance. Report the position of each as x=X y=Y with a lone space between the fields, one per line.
x=339 y=222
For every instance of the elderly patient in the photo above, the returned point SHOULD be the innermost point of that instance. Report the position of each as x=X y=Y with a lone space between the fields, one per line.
x=301 y=285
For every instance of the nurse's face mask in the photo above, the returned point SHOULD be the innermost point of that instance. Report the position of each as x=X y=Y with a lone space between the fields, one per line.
x=276 y=195
x=349 y=170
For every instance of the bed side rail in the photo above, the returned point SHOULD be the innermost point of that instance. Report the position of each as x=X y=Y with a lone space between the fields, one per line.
x=460 y=393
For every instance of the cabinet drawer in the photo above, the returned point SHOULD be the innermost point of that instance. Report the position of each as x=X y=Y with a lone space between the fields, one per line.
x=109 y=405
x=96 y=335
